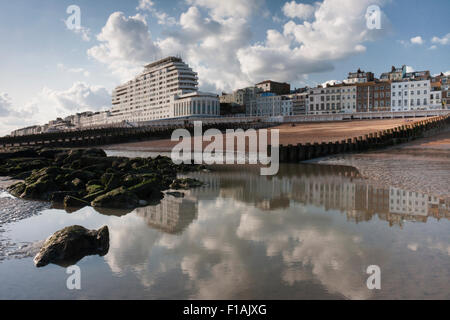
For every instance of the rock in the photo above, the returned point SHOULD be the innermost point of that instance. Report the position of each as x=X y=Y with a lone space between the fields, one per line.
x=111 y=181
x=185 y=183
x=51 y=153
x=119 y=198
x=94 y=152
x=17 y=189
x=92 y=196
x=77 y=184
x=69 y=245
x=59 y=196
x=175 y=194
x=146 y=189
x=73 y=202
x=41 y=190
x=94 y=188
x=22 y=175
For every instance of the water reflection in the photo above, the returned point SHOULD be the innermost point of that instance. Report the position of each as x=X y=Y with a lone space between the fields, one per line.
x=247 y=236
x=331 y=187
x=308 y=233
x=172 y=215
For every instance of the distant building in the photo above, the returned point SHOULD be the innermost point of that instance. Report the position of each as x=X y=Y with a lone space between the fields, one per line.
x=231 y=109
x=410 y=95
x=241 y=97
x=373 y=96
x=300 y=102
x=277 y=88
x=359 y=77
x=269 y=104
x=396 y=74
x=165 y=89
x=436 y=94
x=418 y=75
x=26 y=131
x=332 y=99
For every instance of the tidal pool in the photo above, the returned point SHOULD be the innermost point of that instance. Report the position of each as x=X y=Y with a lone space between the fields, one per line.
x=308 y=233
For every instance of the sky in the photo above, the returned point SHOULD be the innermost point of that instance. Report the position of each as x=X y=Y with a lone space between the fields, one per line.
x=49 y=69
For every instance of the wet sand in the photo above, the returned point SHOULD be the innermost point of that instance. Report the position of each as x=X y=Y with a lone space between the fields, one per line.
x=300 y=133
x=12 y=210
x=422 y=165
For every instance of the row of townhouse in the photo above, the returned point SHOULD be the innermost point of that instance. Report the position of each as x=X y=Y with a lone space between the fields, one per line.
x=397 y=90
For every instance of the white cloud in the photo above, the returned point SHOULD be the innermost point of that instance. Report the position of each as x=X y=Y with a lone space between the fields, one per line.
x=214 y=37
x=84 y=32
x=443 y=41
x=163 y=18
x=433 y=47
x=73 y=70
x=5 y=104
x=417 y=40
x=220 y=9
x=50 y=104
x=337 y=31
x=298 y=10
x=145 y=5
x=125 y=45
x=330 y=82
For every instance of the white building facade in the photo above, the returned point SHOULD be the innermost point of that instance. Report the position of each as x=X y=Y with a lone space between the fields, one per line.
x=270 y=105
x=162 y=91
x=333 y=99
x=410 y=95
x=348 y=99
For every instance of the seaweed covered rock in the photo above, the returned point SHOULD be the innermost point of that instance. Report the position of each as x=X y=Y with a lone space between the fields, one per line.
x=69 y=245
x=73 y=202
x=119 y=198
x=87 y=176
x=185 y=183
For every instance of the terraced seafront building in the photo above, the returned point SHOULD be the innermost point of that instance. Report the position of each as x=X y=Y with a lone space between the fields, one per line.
x=166 y=89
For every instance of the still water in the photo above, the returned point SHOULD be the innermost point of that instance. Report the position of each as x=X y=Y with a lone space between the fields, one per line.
x=308 y=233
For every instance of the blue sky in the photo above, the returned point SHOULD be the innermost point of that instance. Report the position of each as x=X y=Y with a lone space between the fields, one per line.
x=48 y=70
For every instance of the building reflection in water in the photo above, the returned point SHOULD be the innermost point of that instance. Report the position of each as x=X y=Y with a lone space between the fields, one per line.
x=332 y=187
x=171 y=215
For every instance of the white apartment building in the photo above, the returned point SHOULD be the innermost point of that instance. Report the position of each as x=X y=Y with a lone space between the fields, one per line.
x=154 y=94
x=269 y=104
x=436 y=98
x=348 y=99
x=334 y=99
x=95 y=119
x=410 y=95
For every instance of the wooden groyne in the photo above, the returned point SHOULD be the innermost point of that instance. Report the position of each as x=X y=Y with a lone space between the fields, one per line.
x=106 y=136
x=380 y=139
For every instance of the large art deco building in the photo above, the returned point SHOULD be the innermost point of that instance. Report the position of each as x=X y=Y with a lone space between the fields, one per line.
x=165 y=89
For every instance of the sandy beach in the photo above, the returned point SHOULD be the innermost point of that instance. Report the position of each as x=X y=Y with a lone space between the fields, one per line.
x=300 y=133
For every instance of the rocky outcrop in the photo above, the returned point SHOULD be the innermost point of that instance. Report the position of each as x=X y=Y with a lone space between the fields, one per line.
x=69 y=245
x=79 y=177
